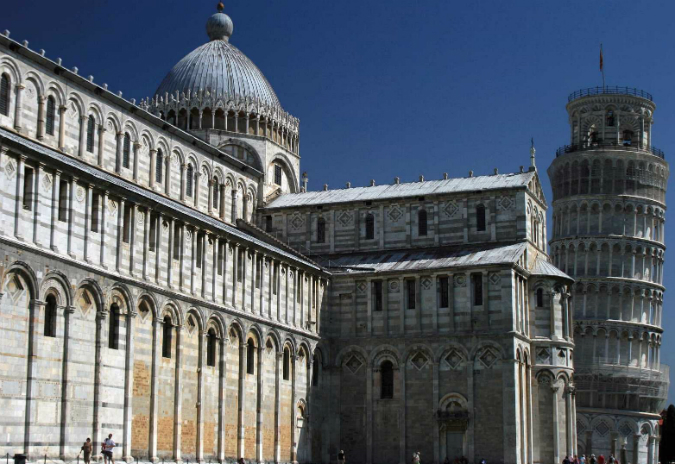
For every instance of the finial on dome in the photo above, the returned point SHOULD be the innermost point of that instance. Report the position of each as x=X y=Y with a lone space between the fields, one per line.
x=219 y=26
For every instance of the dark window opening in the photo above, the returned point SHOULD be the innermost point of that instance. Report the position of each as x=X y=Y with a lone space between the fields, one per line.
x=443 y=282
x=540 y=298
x=377 y=295
x=258 y=272
x=166 y=337
x=91 y=126
x=627 y=137
x=275 y=281
x=114 y=327
x=214 y=192
x=321 y=230
x=386 y=380
x=299 y=289
x=480 y=218
x=211 y=348
x=152 y=235
x=411 y=290
x=188 y=180
x=126 y=150
x=51 y=115
x=240 y=265
x=250 y=357
x=126 y=225
x=477 y=282
x=316 y=365
x=277 y=174
x=28 y=180
x=370 y=227
x=200 y=249
x=63 y=201
x=159 y=166
x=4 y=95
x=422 y=223
x=287 y=364
x=50 y=317
x=176 y=241
x=609 y=119
x=95 y=211
x=268 y=224
x=221 y=256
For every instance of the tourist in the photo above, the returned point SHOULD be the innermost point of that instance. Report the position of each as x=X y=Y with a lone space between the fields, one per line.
x=593 y=460
x=582 y=459
x=566 y=460
x=447 y=460
x=483 y=461
x=612 y=460
x=108 y=445
x=341 y=457
x=86 y=449
x=601 y=459
x=416 y=458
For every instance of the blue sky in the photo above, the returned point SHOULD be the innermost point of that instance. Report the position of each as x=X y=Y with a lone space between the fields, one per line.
x=393 y=88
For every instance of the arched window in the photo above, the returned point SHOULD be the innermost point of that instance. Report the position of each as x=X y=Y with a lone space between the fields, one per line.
x=215 y=192
x=627 y=137
x=4 y=95
x=387 y=380
x=50 y=317
x=316 y=365
x=159 y=166
x=609 y=118
x=321 y=230
x=114 y=327
x=422 y=223
x=370 y=226
x=51 y=115
x=91 y=125
x=540 y=298
x=277 y=174
x=166 y=337
x=211 y=348
x=188 y=181
x=287 y=364
x=126 y=150
x=250 y=357
x=480 y=218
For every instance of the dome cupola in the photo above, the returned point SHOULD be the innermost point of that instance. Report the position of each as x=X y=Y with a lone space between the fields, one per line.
x=216 y=87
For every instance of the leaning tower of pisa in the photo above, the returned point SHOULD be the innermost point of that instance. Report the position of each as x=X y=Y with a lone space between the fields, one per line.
x=609 y=193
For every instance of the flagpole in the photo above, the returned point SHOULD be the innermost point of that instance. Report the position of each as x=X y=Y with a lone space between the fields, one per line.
x=602 y=68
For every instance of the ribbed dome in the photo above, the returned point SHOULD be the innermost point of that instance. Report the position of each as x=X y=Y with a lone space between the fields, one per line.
x=219 y=68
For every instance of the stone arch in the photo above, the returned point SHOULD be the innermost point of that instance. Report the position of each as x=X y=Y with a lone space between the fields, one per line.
x=119 y=294
x=91 y=286
x=237 y=327
x=130 y=126
x=171 y=309
x=453 y=397
x=57 y=283
x=194 y=312
x=95 y=109
x=384 y=353
x=258 y=165
x=150 y=301
x=79 y=102
x=33 y=77
x=54 y=89
x=348 y=351
x=113 y=124
x=27 y=274
x=147 y=136
x=9 y=65
x=286 y=167
x=216 y=323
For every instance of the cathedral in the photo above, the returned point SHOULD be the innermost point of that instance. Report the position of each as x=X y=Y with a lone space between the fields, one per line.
x=167 y=278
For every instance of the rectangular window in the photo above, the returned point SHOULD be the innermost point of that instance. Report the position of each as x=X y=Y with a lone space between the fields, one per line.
x=477 y=284
x=443 y=283
x=221 y=256
x=275 y=281
x=63 y=201
x=258 y=272
x=113 y=329
x=411 y=293
x=28 y=180
x=95 y=211
x=152 y=239
x=298 y=293
x=277 y=174
x=126 y=223
x=200 y=249
x=176 y=241
x=268 y=224
x=240 y=265
x=377 y=295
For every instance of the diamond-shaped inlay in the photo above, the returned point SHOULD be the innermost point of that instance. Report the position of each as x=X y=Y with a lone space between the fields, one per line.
x=10 y=169
x=191 y=325
x=454 y=359
x=395 y=213
x=297 y=221
x=112 y=207
x=353 y=364
x=450 y=209
x=543 y=356
x=488 y=358
x=419 y=360
x=602 y=428
x=46 y=182
x=426 y=283
x=345 y=218
x=625 y=429
x=84 y=302
x=581 y=428
x=361 y=286
x=495 y=278
x=505 y=202
x=14 y=288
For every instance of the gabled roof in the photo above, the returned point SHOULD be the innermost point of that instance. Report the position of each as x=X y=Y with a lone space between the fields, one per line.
x=434 y=258
x=412 y=189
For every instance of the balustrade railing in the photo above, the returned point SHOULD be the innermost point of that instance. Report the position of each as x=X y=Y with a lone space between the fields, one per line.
x=611 y=146
x=612 y=90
